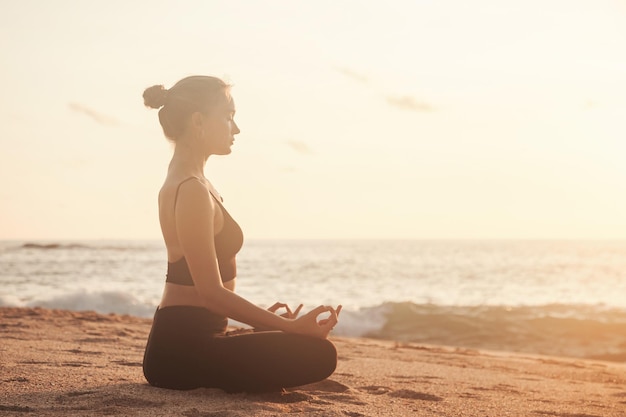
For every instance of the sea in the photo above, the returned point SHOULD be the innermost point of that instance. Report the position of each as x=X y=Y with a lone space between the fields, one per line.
x=562 y=298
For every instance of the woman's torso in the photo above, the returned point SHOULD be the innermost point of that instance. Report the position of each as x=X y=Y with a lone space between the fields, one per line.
x=176 y=294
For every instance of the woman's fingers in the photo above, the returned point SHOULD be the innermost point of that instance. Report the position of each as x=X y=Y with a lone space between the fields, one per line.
x=312 y=324
x=333 y=319
x=319 y=310
x=279 y=305
x=295 y=313
x=328 y=322
x=289 y=314
x=334 y=313
x=275 y=307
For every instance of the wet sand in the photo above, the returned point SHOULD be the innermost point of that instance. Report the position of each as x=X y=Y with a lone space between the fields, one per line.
x=65 y=363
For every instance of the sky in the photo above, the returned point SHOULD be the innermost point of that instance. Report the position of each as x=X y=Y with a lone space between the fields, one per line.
x=415 y=119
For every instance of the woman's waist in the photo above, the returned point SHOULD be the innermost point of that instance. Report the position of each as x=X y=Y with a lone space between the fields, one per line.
x=183 y=298
x=175 y=294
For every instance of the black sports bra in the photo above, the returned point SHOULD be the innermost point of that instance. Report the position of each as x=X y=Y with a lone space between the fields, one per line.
x=227 y=243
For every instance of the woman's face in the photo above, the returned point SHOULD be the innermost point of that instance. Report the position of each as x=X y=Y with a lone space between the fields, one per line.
x=220 y=128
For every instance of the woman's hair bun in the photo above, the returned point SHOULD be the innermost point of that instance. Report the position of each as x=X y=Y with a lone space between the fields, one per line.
x=155 y=96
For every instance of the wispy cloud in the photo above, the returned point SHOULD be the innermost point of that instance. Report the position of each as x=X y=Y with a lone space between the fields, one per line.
x=409 y=103
x=96 y=116
x=300 y=147
x=401 y=102
x=353 y=75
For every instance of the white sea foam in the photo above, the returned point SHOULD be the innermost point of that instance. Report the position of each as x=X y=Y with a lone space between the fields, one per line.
x=104 y=302
x=101 y=302
x=362 y=322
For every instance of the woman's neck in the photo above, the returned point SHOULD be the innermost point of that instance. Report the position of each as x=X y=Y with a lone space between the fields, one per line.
x=188 y=161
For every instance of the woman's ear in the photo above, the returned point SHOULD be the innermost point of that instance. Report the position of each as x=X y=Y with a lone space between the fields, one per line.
x=197 y=119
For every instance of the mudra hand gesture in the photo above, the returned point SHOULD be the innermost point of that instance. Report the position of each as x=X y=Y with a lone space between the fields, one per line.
x=288 y=314
x=309 y=323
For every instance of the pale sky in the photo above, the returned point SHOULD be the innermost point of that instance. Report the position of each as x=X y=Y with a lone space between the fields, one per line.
x=401 y=119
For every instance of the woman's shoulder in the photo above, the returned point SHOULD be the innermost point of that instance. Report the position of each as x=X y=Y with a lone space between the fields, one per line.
x=175 y=183
x=191 y=187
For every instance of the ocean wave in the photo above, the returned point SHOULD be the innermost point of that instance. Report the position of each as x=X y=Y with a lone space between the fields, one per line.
x=95 y=245
x=29 y=245
x=104 y=302
x=557 y=329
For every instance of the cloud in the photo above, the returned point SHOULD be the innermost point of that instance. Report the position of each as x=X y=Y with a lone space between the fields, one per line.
x=402 y=102
x=300 y=147
x=353 y=75
x=96 y=116
x=409 y=103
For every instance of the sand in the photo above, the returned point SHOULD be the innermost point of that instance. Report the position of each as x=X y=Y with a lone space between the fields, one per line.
x=64 y=363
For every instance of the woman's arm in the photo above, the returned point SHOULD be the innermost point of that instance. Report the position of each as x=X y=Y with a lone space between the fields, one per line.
x=195 y=215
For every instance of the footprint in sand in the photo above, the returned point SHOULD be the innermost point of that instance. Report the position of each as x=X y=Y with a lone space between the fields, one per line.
x=470 y=396
x=16 y=408
x=127 y=363
x=34 y=362
x=84 y=352
x=403 y=393
x=17 y=379
x=409 y=380
x=98 y=340
x=77 y=364
x=414 y=395
x=500 y=387
x=506 y=388
x=78 y=393
x=327 y=385
x=376 y=389
x=403 y=378
x=327 y=391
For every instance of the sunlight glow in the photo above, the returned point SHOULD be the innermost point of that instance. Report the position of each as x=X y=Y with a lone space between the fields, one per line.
x=416 y=119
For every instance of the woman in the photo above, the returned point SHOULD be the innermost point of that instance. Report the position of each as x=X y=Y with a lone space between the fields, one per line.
x=188 y=346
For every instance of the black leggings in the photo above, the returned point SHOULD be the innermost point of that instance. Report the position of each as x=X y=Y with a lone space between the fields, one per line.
x=187 y=348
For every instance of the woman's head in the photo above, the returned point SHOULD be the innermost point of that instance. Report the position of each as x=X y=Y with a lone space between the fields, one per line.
x=195 y=94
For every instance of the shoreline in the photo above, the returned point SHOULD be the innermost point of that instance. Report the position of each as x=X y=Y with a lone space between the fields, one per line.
x=61 y=362
x=551 y=330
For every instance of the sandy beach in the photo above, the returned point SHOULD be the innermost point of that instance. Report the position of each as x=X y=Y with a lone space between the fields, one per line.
x=62 y=363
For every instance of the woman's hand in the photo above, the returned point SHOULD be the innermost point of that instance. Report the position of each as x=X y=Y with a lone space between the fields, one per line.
x=310 y=325
x=289 y=314
x=337 y=311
